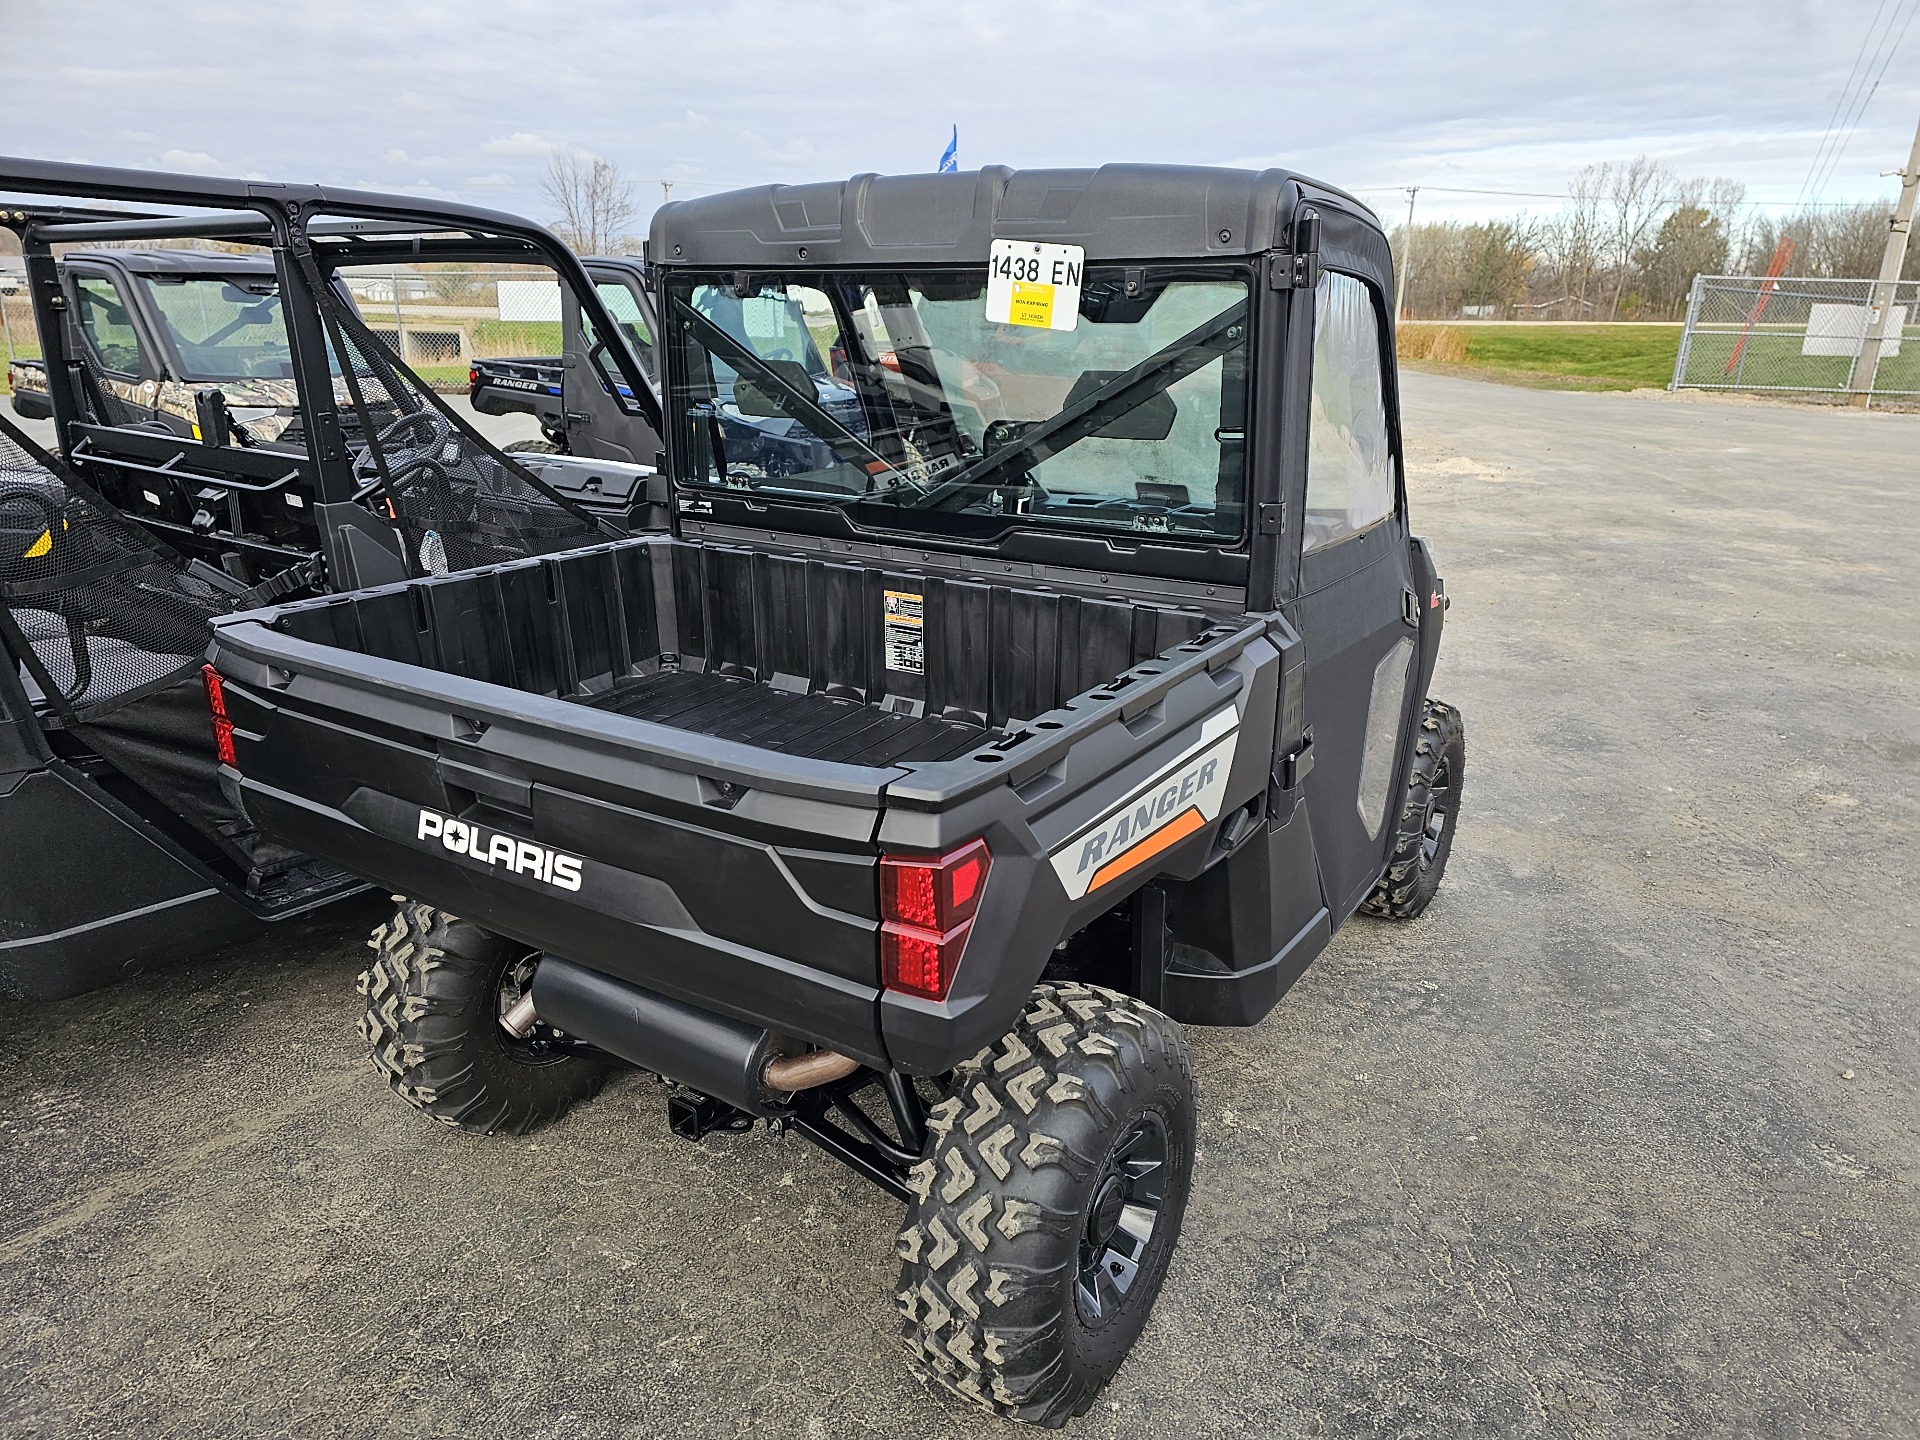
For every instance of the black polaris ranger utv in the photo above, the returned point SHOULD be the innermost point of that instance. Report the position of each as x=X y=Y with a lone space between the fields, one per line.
x=914 y=799
x=185 y=386
x=565 y=395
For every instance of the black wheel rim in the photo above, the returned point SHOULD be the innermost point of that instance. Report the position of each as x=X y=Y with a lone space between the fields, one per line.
x=1122 y=1219
x=1439 y=811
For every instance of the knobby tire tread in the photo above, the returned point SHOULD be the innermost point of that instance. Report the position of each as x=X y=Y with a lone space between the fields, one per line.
x=990 y=1248
x=430 y=1026
x=1411 y=881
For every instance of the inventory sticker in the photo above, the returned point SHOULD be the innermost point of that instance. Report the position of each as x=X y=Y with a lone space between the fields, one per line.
x=906 y=631
x=1181 y=799
x=1032 y=284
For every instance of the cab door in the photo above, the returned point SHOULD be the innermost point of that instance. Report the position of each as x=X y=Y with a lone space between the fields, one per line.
x=109 y=331
x=602 y=423
x=1353 y=607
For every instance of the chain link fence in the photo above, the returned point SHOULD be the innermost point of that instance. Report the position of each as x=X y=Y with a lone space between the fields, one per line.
x=439 y=318
x=1748 y=332
x=18 y=334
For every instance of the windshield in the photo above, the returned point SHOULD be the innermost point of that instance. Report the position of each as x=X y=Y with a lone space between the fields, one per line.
x=224 y=327
x=893 y=396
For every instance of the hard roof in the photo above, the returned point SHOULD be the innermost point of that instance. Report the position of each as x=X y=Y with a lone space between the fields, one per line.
x=179 y=262
x=1118 y=212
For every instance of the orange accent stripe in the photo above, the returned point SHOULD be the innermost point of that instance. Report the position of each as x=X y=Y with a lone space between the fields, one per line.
x=1176 y=830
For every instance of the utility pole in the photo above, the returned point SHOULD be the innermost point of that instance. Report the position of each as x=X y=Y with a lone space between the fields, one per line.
x=1887 y=288
x=666 y=191
x=1406 y=261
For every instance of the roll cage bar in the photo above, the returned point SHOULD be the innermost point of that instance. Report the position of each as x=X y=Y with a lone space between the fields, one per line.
x=311 y=231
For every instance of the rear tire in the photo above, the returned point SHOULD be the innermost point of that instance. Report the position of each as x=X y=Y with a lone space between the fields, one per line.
x=435 y=992
x=1424 y=837
x=533 y=447
x=1049 y=1204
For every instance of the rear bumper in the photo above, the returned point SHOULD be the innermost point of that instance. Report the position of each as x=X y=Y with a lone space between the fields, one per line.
x=32 y=405
x=652 y=901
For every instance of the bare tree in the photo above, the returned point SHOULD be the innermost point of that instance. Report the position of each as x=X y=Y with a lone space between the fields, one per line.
x=1574 y=241
x=594 y=200
x=1637 y=194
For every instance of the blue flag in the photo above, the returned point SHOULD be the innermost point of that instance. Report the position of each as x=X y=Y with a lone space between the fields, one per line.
x=949 y=156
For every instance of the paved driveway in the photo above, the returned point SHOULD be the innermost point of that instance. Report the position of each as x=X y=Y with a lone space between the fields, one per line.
x=1620 y=1139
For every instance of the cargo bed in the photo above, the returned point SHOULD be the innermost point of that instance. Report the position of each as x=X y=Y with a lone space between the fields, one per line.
x=696 y=723
x=820 y=727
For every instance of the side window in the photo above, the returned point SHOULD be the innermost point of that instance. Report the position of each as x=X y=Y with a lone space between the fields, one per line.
x=624 y=306
x=105 y=323
x=1349 y=462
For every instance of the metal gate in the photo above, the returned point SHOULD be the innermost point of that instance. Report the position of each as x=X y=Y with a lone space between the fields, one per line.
x=1749 y=332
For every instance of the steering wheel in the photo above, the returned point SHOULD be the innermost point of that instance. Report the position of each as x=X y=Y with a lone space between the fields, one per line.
x=439 y=429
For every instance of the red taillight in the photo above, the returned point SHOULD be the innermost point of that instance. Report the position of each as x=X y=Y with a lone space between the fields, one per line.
x=217 y=709
x=927 y=906
x=473 y=378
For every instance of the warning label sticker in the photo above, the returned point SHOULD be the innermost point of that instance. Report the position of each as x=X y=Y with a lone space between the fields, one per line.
x=905 y=618
x=1032 y=284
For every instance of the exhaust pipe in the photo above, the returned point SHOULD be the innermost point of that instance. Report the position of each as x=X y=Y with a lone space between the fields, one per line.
x=727 y=1059
x=520 y=1018
x=802 y=1072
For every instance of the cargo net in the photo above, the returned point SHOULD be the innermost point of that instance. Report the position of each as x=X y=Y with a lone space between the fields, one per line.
x=93 y=610
x=456 y=501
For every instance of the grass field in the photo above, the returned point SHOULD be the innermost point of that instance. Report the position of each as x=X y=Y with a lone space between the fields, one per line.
x=1632 y=357
x=22 y=339
x=1559 y=357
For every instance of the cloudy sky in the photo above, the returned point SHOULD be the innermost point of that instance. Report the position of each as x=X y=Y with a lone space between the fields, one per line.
x=468 y=100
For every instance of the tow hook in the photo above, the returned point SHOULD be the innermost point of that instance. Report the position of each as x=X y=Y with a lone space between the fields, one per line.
x=520 y=1018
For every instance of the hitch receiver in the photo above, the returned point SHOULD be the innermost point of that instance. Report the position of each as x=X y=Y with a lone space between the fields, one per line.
x=691 y=1115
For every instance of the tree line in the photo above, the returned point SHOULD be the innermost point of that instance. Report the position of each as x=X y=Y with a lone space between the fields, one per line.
x=1626 y=246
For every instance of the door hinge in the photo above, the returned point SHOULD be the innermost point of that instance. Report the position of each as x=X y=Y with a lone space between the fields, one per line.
x=1292 y=272
x=1294 y=768
x=1271 y=518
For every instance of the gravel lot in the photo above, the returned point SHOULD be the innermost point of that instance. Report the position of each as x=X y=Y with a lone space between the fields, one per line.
x=1620 y=1139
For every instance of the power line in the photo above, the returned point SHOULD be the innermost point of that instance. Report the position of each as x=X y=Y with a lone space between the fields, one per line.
x=1546 y=195
x=1866 y=98
x=1840 y=104
x=1462 y=190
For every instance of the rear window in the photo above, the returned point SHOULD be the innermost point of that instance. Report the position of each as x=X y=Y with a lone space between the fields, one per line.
x=892 y=395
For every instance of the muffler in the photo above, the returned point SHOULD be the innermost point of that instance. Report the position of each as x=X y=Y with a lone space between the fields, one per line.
x=727 y=1059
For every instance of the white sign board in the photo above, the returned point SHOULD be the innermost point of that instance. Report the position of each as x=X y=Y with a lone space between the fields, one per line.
x=1032 y=284
x=529 y=299
x=1842 y=329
